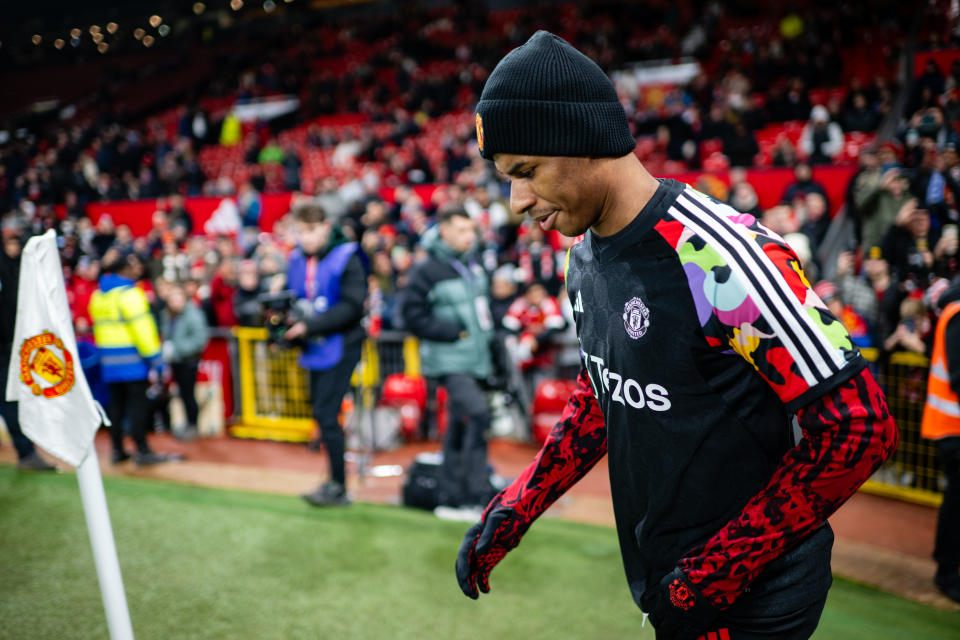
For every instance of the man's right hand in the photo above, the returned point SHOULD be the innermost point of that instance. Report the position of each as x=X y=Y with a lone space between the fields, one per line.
x=484 y=545
x=298 y=330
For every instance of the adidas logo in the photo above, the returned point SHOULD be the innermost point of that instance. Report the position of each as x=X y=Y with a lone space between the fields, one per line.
x=578 y=306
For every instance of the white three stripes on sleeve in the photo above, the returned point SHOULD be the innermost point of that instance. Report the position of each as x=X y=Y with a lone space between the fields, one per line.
x=816 y=358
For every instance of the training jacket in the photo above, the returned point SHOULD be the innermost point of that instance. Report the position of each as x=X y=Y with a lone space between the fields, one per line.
x=700 y=340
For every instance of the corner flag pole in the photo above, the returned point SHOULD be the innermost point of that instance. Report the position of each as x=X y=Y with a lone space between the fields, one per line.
x=104 y=549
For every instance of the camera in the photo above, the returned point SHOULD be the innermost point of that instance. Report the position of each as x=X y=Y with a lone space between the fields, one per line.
x=280 y=311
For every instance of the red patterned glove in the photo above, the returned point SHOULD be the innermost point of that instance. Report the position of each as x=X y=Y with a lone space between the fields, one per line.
x=576 y=443
x=678 y=610
x=484 y=545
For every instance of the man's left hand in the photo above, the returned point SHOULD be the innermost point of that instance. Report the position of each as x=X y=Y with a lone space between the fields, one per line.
x=678 y=610
x=298 y=330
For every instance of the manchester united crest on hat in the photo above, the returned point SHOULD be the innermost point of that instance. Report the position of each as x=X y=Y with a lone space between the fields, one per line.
x=480 y=132
x=636 y=318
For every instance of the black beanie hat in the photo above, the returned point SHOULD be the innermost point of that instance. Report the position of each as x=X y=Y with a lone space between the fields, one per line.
x=545 y=98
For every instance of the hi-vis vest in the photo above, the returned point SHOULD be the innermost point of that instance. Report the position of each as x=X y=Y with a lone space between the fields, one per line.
x=125 y=332
x=941 y=415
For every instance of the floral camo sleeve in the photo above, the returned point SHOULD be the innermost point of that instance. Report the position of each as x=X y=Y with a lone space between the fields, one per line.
x=753 y=299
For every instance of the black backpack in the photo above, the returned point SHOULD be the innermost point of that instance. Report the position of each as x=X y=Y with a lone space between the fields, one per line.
x=421 y=488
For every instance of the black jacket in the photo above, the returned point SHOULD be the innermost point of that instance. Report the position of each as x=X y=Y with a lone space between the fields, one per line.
x=9 y=281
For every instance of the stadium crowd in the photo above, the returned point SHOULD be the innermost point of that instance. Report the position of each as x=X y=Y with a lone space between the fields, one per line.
x=412 y=79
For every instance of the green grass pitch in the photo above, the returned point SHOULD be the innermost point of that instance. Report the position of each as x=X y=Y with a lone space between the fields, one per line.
x=204 y=563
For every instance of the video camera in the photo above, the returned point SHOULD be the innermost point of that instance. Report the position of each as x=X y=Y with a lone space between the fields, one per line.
x=280 y=312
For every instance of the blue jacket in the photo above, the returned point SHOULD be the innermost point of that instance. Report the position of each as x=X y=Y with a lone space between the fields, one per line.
x=322 y=351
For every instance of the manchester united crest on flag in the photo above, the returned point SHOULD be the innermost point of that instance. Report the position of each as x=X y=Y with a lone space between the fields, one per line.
x=46 y=365
x=56 y=409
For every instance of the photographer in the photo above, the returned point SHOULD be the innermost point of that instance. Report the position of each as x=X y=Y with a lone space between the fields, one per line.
x=330 y=284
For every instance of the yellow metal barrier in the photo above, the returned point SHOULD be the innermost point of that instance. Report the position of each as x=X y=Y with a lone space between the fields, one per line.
x=275 y=392
x=911 y=473
x=275 y=403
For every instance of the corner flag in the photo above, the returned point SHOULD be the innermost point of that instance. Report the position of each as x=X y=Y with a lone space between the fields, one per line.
x=57 y=410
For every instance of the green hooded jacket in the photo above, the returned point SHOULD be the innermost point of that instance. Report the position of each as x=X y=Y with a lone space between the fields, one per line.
x=447 y=295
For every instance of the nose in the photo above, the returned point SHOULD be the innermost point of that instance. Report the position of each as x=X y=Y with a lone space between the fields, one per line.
x=521 y=197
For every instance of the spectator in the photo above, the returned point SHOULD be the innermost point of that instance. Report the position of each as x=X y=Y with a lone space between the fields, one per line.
x=821 y=139
x=926 y=128
x=250 y=205
x=105 y=234
x=784 y=153
x=180 y=220
x=755 y=116
x=855 y=324
x=792 y=104
x=329 y=198
x=743 y=197
x=222 y=288
x=716 y=125
x=81 y=288
x=536 y=260
x=271 y=153
x=802 y=185
x=930 y=184
x=814 y=222
x=859 y=291
x=876 y=271
x=535 y=319
x=913 y=327
x=503 y=291
x=382 y=271
x=879 y=196
x=246 y=298
x=185 y=336
x=291 y=169
x=931 y=83
x=740 y=146
x=912 y=247
x=858 y=116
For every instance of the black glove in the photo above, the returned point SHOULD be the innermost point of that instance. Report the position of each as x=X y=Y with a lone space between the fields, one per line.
x=484 y=545
x=678 y=610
